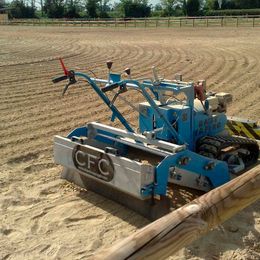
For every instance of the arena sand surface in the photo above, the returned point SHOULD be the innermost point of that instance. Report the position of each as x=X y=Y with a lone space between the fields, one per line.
x=41 y=217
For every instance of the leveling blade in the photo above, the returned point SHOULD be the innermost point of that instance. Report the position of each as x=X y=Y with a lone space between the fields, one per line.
x=151 y=209
x=104 y=171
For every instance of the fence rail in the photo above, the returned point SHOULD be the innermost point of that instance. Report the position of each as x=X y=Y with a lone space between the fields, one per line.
x=212 y=21
x=167 y=235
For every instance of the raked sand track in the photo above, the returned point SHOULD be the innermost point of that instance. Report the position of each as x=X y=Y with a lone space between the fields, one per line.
x=41 y=217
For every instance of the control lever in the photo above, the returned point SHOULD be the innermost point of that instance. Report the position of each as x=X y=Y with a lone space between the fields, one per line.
x=58 y=79
x=155 y=75
x=68 y=74
x=72 y=80
x=128 y=72
x=110 y=87
x=109 y=66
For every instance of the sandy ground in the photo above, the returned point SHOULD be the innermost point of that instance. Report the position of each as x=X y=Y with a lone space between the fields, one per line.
x=41 y=217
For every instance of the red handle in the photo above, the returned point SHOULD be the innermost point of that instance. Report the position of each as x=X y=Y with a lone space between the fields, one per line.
x=63 y=67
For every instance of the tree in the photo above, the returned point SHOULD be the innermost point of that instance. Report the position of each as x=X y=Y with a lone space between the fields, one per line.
x=193 y=7
x=212 y=4
x=20 y=9
x=184 y=7
x=169 y=6
x=2 y=3
x=103 y=8
x=92 y=7
x=245 y=4
x=54 y=8
x=158 y=7
x=72 y=9
x=135 y=8
x=232 y=4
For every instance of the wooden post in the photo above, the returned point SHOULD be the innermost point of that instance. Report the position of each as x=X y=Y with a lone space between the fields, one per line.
x=207 y=22
x=168 y=22
x=145 y=22
x=180 y=22
x=222 y=21
x=156 y=22
x=237 y=21
x=193 y=22
x=178 y=229
x=253 y=21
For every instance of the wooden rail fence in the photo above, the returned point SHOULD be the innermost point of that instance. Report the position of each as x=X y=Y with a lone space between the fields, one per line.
x=211 y=21
x=170 y=233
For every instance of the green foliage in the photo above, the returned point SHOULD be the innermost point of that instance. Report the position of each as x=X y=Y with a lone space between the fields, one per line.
x=40 y=14
x=169 y=7
x=115 y=13
x=134 y=8
x=179 y=11
x=192 y=7
x=60 y=9
x=91 y=7
x=212 y=4
x=173 y=7
x=232 y=4
x=246 y=4
x=2 y=3
x=72 y=9
x=234 y=12
x=97 y=8
x=21 y=10
x=128 y=8
x=54 y=8
x=103 y=9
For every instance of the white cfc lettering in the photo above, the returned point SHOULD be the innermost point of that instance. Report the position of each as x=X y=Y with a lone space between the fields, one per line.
x=78 y=156
x=100 y=166
x=88 y=160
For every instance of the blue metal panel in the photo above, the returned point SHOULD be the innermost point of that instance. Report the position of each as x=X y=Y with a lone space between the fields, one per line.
x=83 y=131
x=208 y=125
x=178 y=116
x=146 y=118
x=80 y=131
x=115 y=77
x=217 y=176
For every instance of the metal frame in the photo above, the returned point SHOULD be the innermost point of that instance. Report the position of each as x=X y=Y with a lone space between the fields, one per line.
x=156 y=89
x=137 y=138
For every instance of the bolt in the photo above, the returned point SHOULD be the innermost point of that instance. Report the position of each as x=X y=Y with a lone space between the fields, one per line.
x=184 y=161
x=210 y=166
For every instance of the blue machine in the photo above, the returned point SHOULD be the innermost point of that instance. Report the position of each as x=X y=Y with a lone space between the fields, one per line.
x=180 y=140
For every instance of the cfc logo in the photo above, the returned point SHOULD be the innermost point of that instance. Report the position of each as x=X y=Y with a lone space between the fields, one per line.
x=93 y=163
